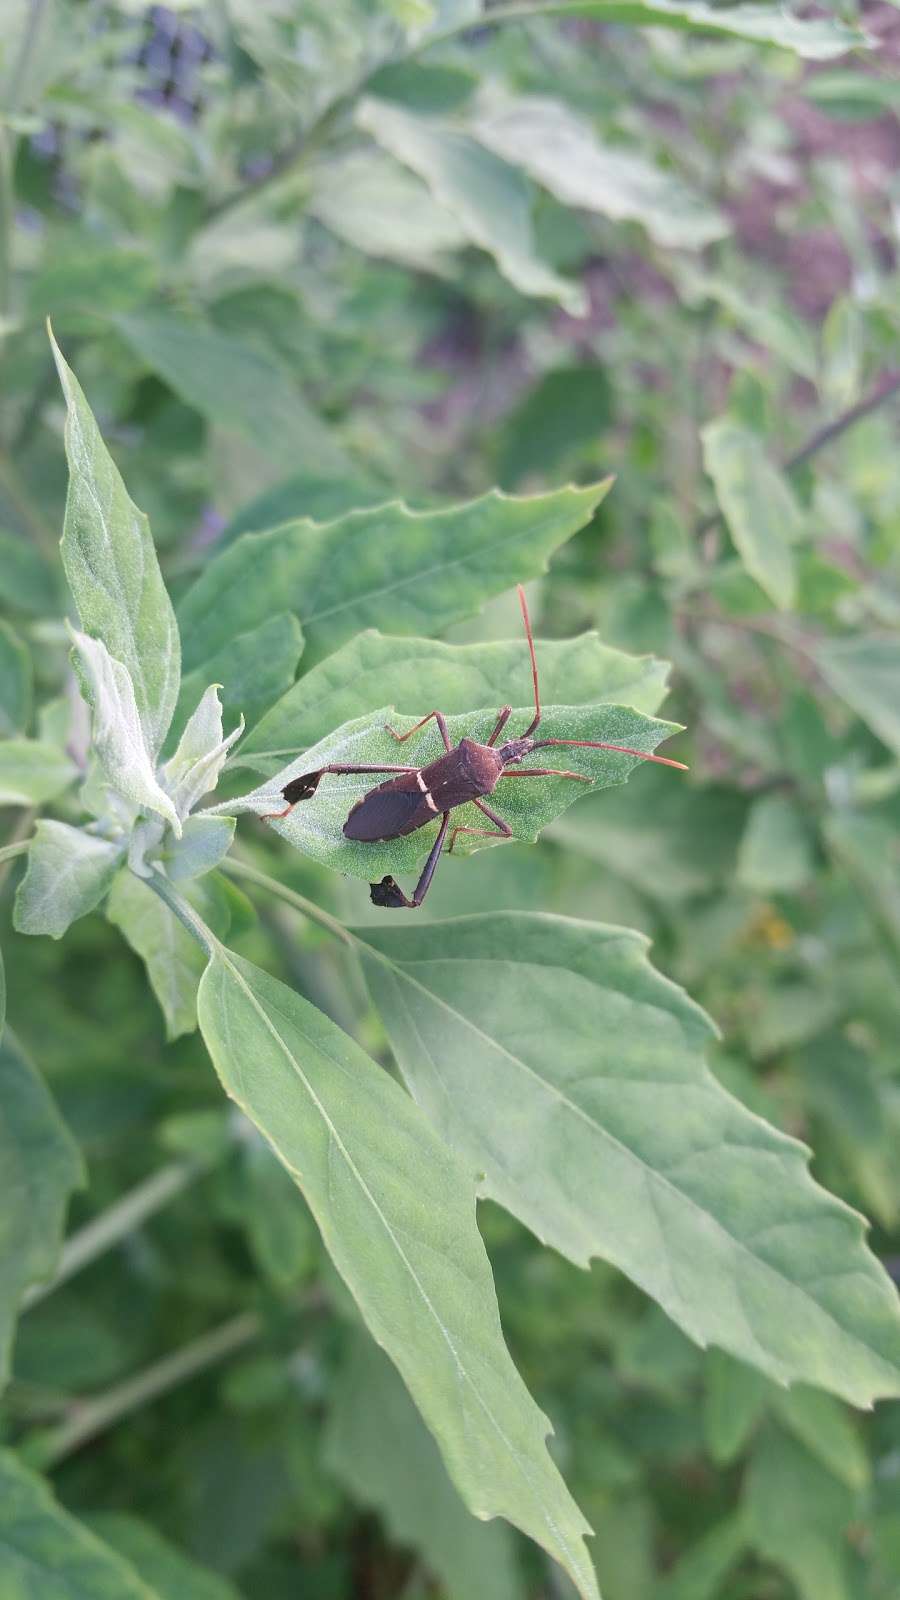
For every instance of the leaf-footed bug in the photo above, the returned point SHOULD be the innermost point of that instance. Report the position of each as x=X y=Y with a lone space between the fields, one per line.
x=469 y=771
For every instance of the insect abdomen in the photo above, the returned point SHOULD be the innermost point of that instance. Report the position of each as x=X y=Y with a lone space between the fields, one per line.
x=394 y=808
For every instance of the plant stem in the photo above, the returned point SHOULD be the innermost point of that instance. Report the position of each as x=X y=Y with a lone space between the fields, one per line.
x=242 y=869
x=887 y=386
x=8 y=852
x=91 y=1417
x=185 y=913
x=115 y=1223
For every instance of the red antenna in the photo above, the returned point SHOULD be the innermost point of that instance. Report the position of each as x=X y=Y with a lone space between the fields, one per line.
x=534 y=671
x=622 y=749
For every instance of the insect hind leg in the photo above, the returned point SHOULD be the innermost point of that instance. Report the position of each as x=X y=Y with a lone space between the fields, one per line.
x=305 y=786
x=388 y=892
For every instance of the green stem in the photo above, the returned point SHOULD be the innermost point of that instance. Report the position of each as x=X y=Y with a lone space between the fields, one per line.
x=242 y=869
x=94 y=1416
x=185 y=912
x=8 y=852
x=116 y=1223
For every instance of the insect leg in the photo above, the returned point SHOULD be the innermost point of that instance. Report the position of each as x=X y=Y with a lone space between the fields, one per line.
x=545 y=772
x=389 y=893
x=502 y=720
x=439 y=718
x=502 y=831
x=308 y=782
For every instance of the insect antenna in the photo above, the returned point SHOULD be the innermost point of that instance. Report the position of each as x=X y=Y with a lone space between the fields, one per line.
x=621 y=749
x=534 y=671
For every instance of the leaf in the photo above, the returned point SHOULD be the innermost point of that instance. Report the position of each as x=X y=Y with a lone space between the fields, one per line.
x=491 y=201
x=867 y=849
x=270 y=1210
x=193 y=771
x=397 y=1215
x=374 y=670
x=203 y=843
x=865 y=671
x=762 y=514
x=32 y=772
x=45 y=1551
x=409 y=571
x=112 y=569
x=377 y=1446
x=316 y=825
x=701 y=1571
x=734 y=1401
x=320 y=496
x=174 y=960
x=816 y=39
x=235 y=382
x=560 y=150
x=796 y=1514
x=118 y=736
x=763 y=320
x=253 y=670
x=68 y=874
x=617 y=1140
x=15 y=683
x=169 y=1572
x=776 y=855
x=39 y=1167
x=26 y=582
x=374 y=204
x=821 y=1424
x=560 y=420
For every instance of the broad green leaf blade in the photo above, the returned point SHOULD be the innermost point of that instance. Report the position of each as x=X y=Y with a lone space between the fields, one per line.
x=174 y=960
x=528 y=804
x=26 y=582
x=866 y=848
x=200 y=755
x=560 y=150
x=170 y=1574
x=796 y=1513
x=267 y=1206
x=252 y=670
x=119 y=744
x=39 y=1167
x=112 y=569
x=372 y=670
x=829 y=1433
x=386 y=566
x=32 y=772
x=865 y=671
x=378 y=1447
x=491 y=201
x=762 y=515
x=816 y=38
x=776 y=852
x=68 y=874
x=15 y=683
x=553 y=1057
x=203 y=843
x=397 y=1214
x=46 y=1554
x=702 y=1570
x=735 y=1399
x=368 y=199
x=235 y=382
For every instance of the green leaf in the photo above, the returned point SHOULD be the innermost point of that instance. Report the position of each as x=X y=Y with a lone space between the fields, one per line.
x=491 y=201
x=15 y=683
x=46 y=1552
x=796 y=1514
x=193 y=771
x=374 y=670
x=397 y=1214
x=763 y=320
x=762 y=515
x=617 y=1140
x=39 y=1167
x=380 y=208
x=776 y=855
x=203 y=843
x=170 y=1574
x=253 y=670
x=734 y=1401
x=379 y=1449
x=560 y=419
x=867 y=849
x=112 y=569
x=822 y=1424
x=173 y=959
x=235 y=382
x=25 y=579
x=32 y=772
x=319 y=496
x=118 y=736
x=68 y=874
x=560 y=150
x=816 y=39
x=269 y=1208
x=701 y=1571
x=315 y=826
x=409 y=571
x=865 y=671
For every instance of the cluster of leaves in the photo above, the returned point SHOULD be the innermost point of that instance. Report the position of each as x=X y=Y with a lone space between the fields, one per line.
x=329 y=273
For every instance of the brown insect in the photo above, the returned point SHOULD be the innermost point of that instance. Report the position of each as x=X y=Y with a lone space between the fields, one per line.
x=469 y=771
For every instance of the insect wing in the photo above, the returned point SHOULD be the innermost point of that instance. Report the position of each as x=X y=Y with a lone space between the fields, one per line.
x=394 y=808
